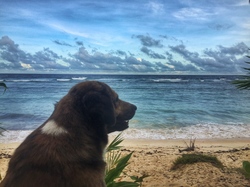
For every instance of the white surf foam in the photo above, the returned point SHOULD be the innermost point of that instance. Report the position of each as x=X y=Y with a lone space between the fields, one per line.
x=199 y=131
x=79 y=78
x=63 y=80
x=14 y=136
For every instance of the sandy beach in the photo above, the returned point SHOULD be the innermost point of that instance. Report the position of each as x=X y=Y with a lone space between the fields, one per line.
x=155 y=158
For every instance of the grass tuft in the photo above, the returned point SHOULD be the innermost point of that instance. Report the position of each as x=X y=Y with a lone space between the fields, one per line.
x=195 y=158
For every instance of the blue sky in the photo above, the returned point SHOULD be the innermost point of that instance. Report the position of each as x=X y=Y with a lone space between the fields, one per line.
x=132 y=36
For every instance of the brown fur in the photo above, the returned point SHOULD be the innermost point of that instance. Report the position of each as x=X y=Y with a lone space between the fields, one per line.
x=73 y=157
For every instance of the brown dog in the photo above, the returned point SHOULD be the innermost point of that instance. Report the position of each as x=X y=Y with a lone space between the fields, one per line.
x=67 y=150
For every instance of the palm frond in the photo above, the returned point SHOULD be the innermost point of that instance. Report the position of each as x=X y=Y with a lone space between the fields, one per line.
x=244 y=83
x=112 y=153
x=115 y=173
x=114 y=145
x=4 y=85
x=112 y=159
x=116 y=163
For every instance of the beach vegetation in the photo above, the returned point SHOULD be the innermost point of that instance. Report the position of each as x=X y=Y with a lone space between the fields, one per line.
x=246 y=166
x=195 y=158
x=2 y=84
x=244 y=83
x=246 y=169
x=116 y=164
x=190 y=146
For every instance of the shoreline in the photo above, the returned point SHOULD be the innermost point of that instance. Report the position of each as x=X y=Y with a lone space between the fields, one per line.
x=208 y=144
x=155 y=158
x=200 y=132
x=128 y=142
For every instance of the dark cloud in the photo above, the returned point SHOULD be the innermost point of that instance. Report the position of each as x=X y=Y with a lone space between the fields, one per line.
x=62 y=43
x=149 y=41
x=10 y=53
x=219 y=27
x=238 y=49
x=223 y=60
x=171 y=38
x=47 y=60
x=17 y=59
x=8 y=44
x=121 y=53
x=179 y=66
x=152 y=54
x=79 y=43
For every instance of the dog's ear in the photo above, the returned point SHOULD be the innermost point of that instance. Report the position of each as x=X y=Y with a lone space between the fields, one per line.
x=99 y=108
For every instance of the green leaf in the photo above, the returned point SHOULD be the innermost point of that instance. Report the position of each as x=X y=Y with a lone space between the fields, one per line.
x=112 y=156
x=116 y=172
x=112 y=159
x=246 y=166
x=3 y=85
x=116 y=164
x=243 y=84
x=114 y=144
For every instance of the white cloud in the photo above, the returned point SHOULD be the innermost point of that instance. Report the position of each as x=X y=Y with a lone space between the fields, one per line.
x=242 y=3
x=65 y=29
x=192 y=13
x=26 y=66
x=246 y=25
x=155 y=7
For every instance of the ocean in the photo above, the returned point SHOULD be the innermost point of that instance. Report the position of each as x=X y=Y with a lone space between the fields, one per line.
x=169 y=106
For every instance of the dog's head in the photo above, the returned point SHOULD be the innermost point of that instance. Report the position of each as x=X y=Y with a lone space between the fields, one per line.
x=102 y=106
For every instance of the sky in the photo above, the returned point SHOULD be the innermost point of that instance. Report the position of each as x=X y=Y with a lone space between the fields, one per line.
x=129 y=36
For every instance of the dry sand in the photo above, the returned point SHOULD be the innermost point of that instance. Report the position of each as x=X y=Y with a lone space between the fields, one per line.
x=155 y=158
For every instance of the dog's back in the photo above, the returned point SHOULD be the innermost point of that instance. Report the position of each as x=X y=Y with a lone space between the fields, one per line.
x=48 y=161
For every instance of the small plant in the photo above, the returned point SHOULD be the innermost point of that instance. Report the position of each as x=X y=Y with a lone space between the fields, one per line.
x=190 y=147
x=246 y=168
x=116 y=163
x=194 y=158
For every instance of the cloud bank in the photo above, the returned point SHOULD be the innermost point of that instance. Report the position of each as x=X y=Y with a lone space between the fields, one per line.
x=167 y=59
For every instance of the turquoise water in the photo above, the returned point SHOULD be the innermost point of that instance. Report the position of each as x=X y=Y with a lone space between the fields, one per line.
x=168 y=106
